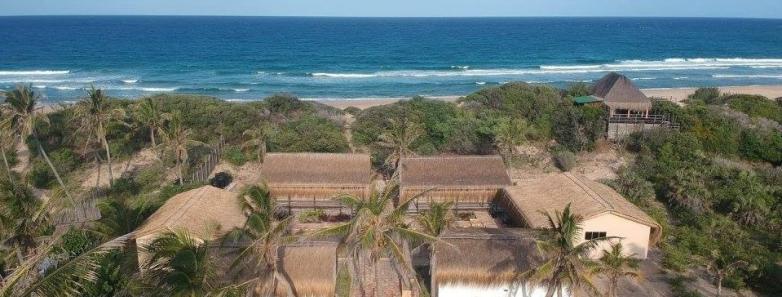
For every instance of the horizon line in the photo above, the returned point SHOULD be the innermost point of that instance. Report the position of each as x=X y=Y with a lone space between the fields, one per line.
x=393 y=17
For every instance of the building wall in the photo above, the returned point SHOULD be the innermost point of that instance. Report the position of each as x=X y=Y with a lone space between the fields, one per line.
x=462 y=290
x=635 y=236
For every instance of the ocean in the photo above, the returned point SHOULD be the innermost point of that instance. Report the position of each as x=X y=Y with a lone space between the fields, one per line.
x=247 y=58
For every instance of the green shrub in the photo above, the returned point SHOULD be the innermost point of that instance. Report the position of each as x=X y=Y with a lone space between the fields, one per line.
x=761 y=145
x=125 y=186
x=64 y=159
x=151 y=177
x=41 y=175
x=565 y=160
x=352 y=110
x=707 y=95
x=234 y=155
x=309 y=134
x=311 y=216
x=756 y=106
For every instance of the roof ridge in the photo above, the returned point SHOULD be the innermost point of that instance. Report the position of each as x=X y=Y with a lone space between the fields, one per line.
x=594 y=195
x=454 y=156
x=187 y=205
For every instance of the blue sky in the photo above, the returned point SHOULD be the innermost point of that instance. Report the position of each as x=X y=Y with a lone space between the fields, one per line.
x=403 y=8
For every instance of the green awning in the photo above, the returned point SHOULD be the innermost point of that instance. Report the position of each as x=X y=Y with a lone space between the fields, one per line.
x=586 y=99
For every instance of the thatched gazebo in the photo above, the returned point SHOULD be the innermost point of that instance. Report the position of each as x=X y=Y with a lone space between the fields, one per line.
x=470 y=182
x=484 y=262
x=207 y=213
x=308 y=268
x=621 y=96
x=604 y=212
x=313 y=180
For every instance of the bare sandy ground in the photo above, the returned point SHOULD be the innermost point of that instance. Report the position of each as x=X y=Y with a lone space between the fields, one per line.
x=673 y=94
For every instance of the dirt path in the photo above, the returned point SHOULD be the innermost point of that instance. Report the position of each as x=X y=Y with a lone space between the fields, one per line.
x=348 y=119
x=141 y=159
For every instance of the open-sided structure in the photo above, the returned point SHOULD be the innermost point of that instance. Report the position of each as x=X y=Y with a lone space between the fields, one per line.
x=621 y=96
x=604 y=212
x=470 y=182
x=308 y=268
x=313 y=180
x=486 y=263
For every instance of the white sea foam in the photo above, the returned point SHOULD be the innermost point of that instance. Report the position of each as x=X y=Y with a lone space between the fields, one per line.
x=143 y=89
x=480 y=83
x=777 y=76
x=643 y=78
x=669 y=64
x=130 y=81
x=33 y=72
x=680 y=77
x=460 y=67
x=241 y=90
x=67 y=88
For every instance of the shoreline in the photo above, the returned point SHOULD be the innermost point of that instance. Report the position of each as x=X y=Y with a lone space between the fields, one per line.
x=673 y=94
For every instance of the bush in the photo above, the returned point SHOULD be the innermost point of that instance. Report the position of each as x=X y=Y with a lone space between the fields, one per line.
x=352 y=110
x=309 y=134
x=311 y=216
x=756 y=106
x=221 y=180
x=565 y=160
x=125 y=187
x=41 y=175
x=707 y=95
x=151 y=177
x=235 y=156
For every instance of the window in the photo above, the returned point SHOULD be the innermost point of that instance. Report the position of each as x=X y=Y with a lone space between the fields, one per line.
x=594 y=235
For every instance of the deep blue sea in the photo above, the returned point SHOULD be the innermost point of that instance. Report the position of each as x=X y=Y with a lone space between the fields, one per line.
x=252 y=57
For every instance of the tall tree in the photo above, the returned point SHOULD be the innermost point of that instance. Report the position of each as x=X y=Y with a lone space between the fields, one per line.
x=25 y=115
x=267 y=231
x=6 y=143
x=377 y=230
x=177 y=139
x=22 y=218
x=256 y=137
x=508 y=134
x=399 y=140
x=615 y=265
x=95 y=114
x=178 y=265
x=721 y=266
x=567 y=265
x=148 y=112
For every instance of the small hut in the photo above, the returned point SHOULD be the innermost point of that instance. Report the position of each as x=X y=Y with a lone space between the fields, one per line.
x=470 y=182
x=485 y=262
x=308 y=268
x=604 y=212
x=313 y=180
x=621 y=96
x=206 y=213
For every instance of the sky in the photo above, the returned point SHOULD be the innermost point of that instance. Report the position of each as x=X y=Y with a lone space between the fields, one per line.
x=400 y=8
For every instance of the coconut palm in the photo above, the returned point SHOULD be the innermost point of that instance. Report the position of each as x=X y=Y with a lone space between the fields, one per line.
x=567 y=265
x=22 y=218
x=148 y=112
x=508 y=134
x=267 y=231
x=377 y=230
x=399 y=140
x=177 y=139
x=721 y=266
x=256 y=137
x=25 y=115
x=94 y=114
x=438 y=218
x=178 y=265
x=615 y=265
x=6 y=143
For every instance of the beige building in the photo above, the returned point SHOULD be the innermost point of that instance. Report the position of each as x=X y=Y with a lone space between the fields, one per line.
x=605 y=212
x=207 y=213
x=313 y=180
x=470 y=182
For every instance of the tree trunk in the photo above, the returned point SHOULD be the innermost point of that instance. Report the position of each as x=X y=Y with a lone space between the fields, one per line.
x=56 y=174
x=19 y=255
x=7 y=167
x=719 y=286
x=179 y=171
x=108 y=159
x=152 y=136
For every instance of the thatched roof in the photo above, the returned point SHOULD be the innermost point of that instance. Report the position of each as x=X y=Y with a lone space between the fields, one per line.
x=484 y=257
x=317 y=169
x=309 y=267
x=206 y=212
x=619 y=92
x=453 y=172
x=532 y=199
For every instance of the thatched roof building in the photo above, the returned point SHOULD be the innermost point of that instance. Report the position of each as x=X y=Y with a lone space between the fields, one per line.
x=310 y=268
x=483 y=262
x=619 y=93
x=469 y=181
x=602 y=209
x=316 y=176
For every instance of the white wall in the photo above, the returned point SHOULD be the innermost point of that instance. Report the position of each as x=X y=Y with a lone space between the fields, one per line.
x=461 y=290
x=635 y=235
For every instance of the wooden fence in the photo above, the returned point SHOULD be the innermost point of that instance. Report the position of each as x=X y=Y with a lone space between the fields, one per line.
x=202 y=171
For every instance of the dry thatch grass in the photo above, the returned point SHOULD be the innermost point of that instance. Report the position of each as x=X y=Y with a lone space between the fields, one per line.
x=317 y=169
x=619 y=92
x=451 y=178
x=310 y=268
x=484 y=257
x=530 y=200
x=206 y=212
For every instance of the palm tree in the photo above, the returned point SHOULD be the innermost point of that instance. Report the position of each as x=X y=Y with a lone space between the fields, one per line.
x=399 y=140
x=256 y=137
x=267 y=232
x=720 y=267
x=615 y=265
x=147 y=111
x=177 y=139
x=178 y=265
x=22 y=218
x=23 y=103
x=377 y=230
x=567 y=264
x=438 y=218
x=119 y=217
x=95 y=114
x=6 y=142
x=508 y=134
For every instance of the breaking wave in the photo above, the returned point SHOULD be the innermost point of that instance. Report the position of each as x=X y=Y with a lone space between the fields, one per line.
x=33 y=72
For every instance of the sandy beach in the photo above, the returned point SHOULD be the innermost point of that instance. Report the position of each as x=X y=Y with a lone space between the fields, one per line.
x=673 y=94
